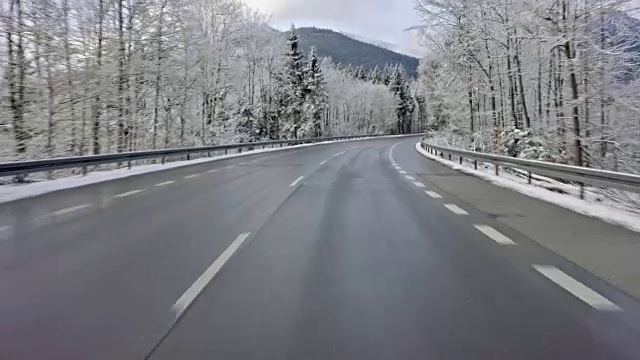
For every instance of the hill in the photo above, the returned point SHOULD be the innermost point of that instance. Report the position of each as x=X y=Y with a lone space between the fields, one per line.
x=346 y=50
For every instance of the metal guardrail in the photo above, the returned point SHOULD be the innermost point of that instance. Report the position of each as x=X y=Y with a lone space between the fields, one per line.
x=84 y=162
x=581 y=175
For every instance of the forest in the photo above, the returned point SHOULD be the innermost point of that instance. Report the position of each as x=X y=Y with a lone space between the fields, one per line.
x=552 y=80
x=80 y=77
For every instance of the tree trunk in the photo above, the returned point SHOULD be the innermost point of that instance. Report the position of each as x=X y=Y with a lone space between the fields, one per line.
x=470 y=99
x=97 y=101
x=16 y=73
x=121 y=80
x=523 y=101
x=569 y=53
x=70 y=89
x=154 y=133
x=512 y=91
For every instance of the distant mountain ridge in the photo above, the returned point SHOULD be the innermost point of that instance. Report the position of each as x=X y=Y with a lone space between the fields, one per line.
x=346 y=50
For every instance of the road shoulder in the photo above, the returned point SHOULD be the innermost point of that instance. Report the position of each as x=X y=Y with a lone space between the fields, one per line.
x=608 y=251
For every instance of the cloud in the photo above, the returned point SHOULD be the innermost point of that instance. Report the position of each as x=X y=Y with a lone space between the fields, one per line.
x=384 y=20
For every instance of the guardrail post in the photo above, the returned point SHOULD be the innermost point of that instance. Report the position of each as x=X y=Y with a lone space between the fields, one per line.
x=129 y=164
x=475 y=164
x=497 y=169
x=460 y=160
x=84 y=171
x=208 y=153
x=449 y=157
x=162 y=160
x=225 y=151
x=582 y=191
x=530 y=177
x=188 y=156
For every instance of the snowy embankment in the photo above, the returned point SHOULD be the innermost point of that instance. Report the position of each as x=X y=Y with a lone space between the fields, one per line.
x=548 y=190
x=12 y=192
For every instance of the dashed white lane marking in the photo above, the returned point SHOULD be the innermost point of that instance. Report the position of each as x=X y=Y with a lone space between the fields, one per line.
x=192 y=293
x=403 y=172
x=293 y=184
x=433 y=194
x=242 y=164
x=70 y=209
x=397 y=167
x=128 y=193
x=212 y=171
x=494 y=234
x=230 y=167
x=576 y=288
x=192 y=176
x=455 y=209
x=409 y=177
x=165 y=183
x=324 y=162
x=419 y=184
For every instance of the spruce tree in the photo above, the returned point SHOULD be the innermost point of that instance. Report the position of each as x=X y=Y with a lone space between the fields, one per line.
x=405 y=104
x=293 y=97
x=315 y=96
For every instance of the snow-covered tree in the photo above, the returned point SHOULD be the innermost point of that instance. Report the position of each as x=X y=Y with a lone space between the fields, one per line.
x=315 y=96
x=294 y=92
x=566 y=70
x=81 y=77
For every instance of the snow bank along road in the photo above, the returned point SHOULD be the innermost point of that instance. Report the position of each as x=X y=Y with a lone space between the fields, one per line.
x=345 y=251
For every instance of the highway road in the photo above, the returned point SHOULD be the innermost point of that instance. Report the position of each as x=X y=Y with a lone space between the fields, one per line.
x=337 y=251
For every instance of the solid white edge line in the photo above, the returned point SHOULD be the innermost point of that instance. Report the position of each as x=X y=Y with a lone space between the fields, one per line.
x=196 y=288
x=165 y=183
x=128 y=193
x=576 y=288
x=192 y=176
x=391 y=158
x=409 y=177
x=433 y=194
x=293 y=184
x=419 y=184
x=71 y=209
x=455 y=209
x=324 y=162
x=494 y=234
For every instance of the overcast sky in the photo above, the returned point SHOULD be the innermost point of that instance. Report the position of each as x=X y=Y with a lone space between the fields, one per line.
x=384 y=20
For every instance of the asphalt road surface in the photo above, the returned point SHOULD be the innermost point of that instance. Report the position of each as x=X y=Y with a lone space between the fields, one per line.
x=338 y=251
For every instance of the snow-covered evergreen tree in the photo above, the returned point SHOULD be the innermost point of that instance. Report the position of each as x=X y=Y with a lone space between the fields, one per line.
x=405 y=104
x=315 y=96
x=294 y=90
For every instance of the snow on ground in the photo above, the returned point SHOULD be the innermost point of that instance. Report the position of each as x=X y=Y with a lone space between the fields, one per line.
x=571 y=201
x=14 y=192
